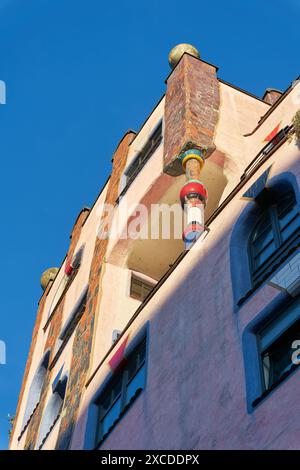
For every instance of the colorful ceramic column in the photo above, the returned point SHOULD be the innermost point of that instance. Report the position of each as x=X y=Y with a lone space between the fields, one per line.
x=193 y=196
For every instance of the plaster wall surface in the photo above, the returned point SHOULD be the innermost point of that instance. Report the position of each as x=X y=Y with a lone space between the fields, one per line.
x=195 y=396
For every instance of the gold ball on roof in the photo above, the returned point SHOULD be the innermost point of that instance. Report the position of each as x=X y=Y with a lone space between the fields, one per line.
x=47 y=276
x=178 y=51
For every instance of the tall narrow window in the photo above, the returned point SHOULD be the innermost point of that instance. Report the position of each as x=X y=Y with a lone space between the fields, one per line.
x=143 y=156
x=52 y=411
x=139 y=288
x=121 y=391
x=277 y=230
x=35 y=390
x=71 y=322
x=71 y=269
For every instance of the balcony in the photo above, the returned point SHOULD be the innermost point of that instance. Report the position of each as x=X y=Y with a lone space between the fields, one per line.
x=158 y=222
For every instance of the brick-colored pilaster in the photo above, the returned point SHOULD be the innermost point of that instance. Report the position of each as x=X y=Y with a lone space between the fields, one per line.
x=271 y=96
x=84 y=333
x=191 y=110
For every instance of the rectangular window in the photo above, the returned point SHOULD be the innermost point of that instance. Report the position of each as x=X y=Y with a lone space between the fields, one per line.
x=274 y=235
x=277 y=347
x=74 y=316
x=71 y=270
x=139 y=289
x=144 y=155
x=277 y=357
x=121 y=391
x=276 y=139
x=71 y=324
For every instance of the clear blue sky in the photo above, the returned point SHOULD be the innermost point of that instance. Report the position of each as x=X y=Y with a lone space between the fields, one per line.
x=78 y=75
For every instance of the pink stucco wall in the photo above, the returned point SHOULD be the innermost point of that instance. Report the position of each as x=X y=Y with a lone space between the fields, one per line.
x=195 y=395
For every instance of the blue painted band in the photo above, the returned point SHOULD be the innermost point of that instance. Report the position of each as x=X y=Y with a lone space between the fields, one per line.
x=192 y=151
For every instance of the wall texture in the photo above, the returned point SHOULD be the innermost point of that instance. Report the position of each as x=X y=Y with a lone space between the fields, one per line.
x=196 y=392
x=84 y=334
x=52 y=335
x=191 y=110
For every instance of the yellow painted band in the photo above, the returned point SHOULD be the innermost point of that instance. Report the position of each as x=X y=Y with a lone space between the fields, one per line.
x=190 y=156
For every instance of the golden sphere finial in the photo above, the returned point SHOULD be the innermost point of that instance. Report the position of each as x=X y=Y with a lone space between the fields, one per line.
x=47 y=276
x=178 y=51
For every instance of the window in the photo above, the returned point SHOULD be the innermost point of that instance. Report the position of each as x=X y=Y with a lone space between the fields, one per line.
x=139 y=289
x=72 y=321
x=279 y=138
x=277 y=347
x=121 y=391
x=276 y=139
x=71 y=269
x=77 y=259
x=53 y=409
x=143 y=156
x=277 y=230
x=35 y=391
x=277 y=358
x=115 y=335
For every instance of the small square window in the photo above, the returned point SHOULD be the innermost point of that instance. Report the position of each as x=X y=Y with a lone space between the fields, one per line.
x=139 y=288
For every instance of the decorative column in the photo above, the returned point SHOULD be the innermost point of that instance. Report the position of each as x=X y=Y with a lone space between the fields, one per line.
x=193 y=195
x=191 y=114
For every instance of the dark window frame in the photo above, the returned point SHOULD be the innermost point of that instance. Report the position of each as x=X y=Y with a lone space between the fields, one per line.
x=40 y=375
x=146 y=287
x=77 y=259
x=55 y=403
x=143 y=157
x=70 y=325
x=261 y=350
x=122 y=377
x=272 y=212
x=277 y=140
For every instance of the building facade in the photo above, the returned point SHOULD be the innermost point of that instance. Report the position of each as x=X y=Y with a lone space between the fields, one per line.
x=148 y=340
